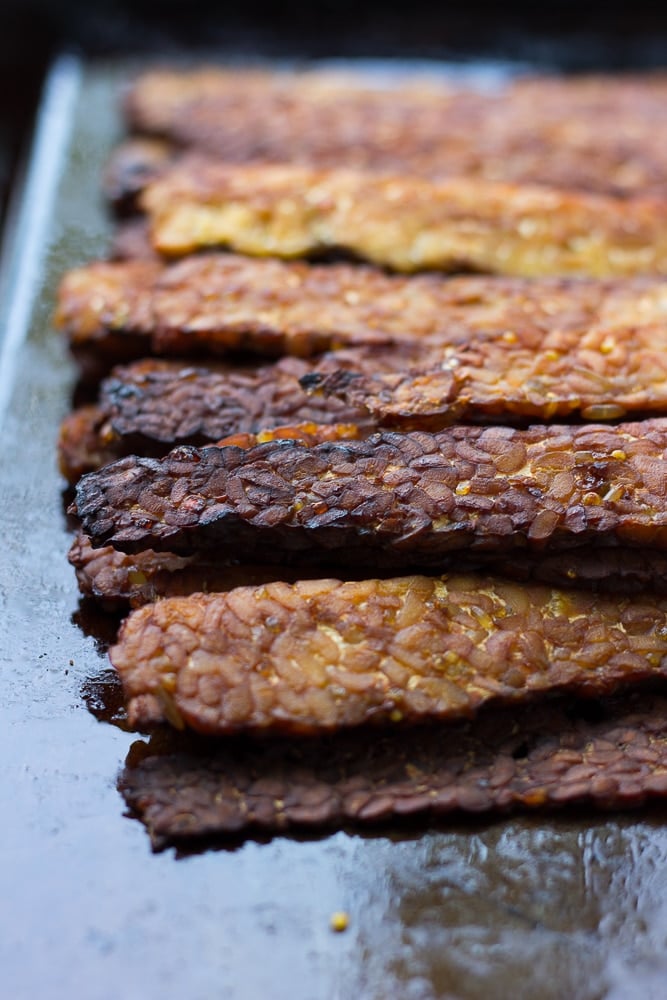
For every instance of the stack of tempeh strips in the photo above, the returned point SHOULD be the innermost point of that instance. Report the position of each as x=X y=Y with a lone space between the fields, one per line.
x=271 y=422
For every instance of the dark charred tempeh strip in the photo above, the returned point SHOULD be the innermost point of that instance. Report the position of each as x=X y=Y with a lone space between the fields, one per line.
x=323 y=655
x=171 y=402
x=403 y=222
x=153 y=405
x=542 y=757
x=132 y=166
x=117 y=580
x=82 y=448
x=214 y=303
x=392 y=500
x=599 y=374
x=598 y=134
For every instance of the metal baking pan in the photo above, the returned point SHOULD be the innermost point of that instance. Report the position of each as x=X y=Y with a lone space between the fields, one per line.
x=570 y=906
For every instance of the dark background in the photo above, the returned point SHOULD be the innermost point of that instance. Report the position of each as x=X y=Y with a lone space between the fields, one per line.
x=566 y=35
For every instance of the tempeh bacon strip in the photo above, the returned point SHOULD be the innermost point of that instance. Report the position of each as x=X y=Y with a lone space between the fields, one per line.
x=83 y=444
x=323 y=655
x=588 y=133
x=403 y=222
x=153 y=405
x=118 y=580
x=598 y=375
x=221 y=302
x=392 y=500
x=545 y=756
x=215 y=303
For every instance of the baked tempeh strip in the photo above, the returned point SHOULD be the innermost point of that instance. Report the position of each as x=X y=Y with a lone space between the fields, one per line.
x=323 y=655
x=598 y=134
x=541 y=757
x=158 y=99
x=108 y=307
x=393 y=500
x=403 y=222
x=133 y=165
x=82 y=445
x=214 y=303
x=599 y=374
x=117 y=580
x=221 y=302
x=153 y=405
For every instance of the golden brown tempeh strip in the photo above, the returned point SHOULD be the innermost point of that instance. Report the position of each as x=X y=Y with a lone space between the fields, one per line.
x=589 y=133
x=600 y=374
x=402 y=222
x=158 y=99
x=542 y=757
x=325 y=655
x=107 y=312
x=395 y=500
x=214 y=303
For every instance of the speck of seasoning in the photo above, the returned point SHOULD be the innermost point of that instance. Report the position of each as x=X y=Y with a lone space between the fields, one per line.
x=339 y=921
x=618 y=454
x=396 y=715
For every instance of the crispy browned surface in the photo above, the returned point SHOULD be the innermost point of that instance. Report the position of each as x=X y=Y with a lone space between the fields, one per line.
x=106 y=312
x=599 y=134
x=217 y=302
x=83 y=448
x=546 y=756
x=160 y=99
x=153 y=405
x=403 y=222
x=605 y=372
x=392 y=500
x=323 y=655
x=173 y=401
